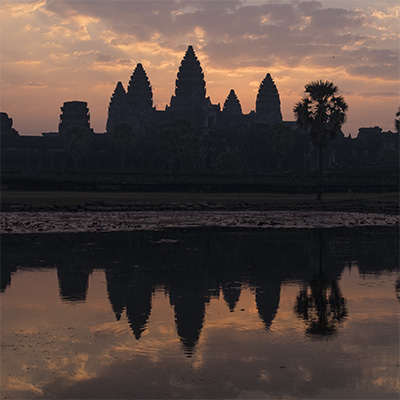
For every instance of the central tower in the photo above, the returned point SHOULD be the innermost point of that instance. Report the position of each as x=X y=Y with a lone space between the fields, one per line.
x=190 y=87
x=268 y=104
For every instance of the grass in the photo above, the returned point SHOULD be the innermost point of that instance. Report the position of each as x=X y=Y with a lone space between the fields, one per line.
x=44 y=198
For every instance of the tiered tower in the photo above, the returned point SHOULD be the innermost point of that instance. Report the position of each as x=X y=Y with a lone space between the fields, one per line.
x=190 y=89
x=268 y=104
x=118 y=110
x=139 y=94
x=232 y=104
x=74 y=113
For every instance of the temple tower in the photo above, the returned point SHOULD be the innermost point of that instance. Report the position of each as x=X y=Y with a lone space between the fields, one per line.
x=118 y=110
x=232 y=104
x=74 y=113
x=190 y=89
x=139 y=94
x=6 y=125
x=268 y=104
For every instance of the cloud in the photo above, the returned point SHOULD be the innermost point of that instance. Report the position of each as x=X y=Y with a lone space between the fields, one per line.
x=379 y=94
x=33 y=85
x=103 y=57
x=227 y=34
x=95 y=42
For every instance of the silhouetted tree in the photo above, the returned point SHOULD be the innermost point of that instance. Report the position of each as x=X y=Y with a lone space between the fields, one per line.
x=123 y=139
x=388 y=155
x=282 y=139
x=323 y=113
x=182 y=145
x=76 y=142
x=228 y=161
x=256 y=148
x=397 y=121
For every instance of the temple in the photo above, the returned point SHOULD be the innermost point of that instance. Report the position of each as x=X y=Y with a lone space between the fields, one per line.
x=135 y=105
x=193 y=143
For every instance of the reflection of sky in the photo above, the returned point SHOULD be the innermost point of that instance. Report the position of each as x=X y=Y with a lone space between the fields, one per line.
x=55 y=349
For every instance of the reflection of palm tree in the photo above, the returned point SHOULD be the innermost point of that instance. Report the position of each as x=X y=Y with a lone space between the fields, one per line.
x=398 y=289
x=321 y=305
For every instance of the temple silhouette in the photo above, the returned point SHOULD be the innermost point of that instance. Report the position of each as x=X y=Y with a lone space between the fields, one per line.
x=195 y=137
x=135 y=105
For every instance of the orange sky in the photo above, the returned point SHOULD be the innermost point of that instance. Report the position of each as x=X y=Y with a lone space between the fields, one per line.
x=56 y=51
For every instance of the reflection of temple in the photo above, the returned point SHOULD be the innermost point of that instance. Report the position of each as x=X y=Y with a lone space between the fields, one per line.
x=188 y=296
x=267 y=300
x=5 y=276
x=138 y=301
x=73 y=283
x=231 y=293
x=131 y=291
x=196 y=266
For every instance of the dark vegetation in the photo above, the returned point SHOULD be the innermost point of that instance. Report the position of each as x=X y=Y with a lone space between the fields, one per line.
x=91 y=201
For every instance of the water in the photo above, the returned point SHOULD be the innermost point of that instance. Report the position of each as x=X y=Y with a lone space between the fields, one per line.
x=201 y=314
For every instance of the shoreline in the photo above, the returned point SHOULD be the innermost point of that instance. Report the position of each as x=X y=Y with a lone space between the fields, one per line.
x=46 y=201
x=112 y=221
x=53 y=212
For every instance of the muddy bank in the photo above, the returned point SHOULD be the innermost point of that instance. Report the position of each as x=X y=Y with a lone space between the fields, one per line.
x=108 y=221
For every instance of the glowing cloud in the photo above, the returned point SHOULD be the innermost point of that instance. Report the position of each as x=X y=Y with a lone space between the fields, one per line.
x=88 y=46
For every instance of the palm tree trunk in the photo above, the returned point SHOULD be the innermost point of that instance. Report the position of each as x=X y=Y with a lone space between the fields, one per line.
x=321 y=174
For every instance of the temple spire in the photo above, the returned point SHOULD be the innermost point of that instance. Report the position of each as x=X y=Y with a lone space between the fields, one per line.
x=268 y=104
x=190 y=87
x=232 y=104
x=139 y=94
x=118 y=107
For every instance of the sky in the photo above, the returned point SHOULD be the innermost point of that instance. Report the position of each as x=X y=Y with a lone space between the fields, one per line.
x=54 y=51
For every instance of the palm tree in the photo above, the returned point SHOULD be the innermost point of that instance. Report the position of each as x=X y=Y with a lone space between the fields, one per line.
x=323 y=113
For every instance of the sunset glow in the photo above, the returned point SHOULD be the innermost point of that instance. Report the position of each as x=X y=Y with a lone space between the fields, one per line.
x=59 y=50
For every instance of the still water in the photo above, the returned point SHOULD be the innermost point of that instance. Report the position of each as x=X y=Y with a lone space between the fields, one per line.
x=201 y=314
